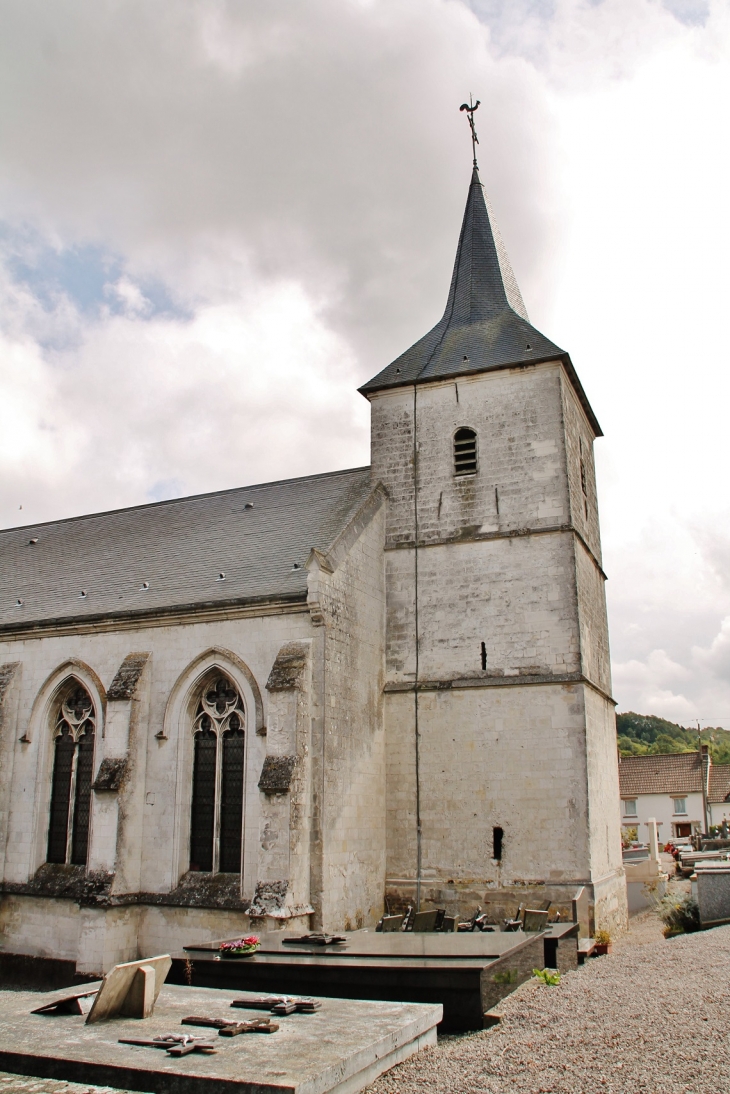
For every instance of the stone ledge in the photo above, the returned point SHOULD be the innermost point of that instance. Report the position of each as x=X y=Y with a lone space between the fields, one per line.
x=93 y=889
x=86 y=888
x=196 y=890
x=495 y=681
x=288 y=668
x=471 y=534
x=276 y=774
x=124 y=684
x=206 y=612
x=110 y=774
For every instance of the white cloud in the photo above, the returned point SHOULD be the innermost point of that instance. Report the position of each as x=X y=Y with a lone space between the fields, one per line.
x=136 y=405
x=220 y=218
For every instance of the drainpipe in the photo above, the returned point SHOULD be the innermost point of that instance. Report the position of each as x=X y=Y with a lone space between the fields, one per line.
x=705 y=767
x=417 y=733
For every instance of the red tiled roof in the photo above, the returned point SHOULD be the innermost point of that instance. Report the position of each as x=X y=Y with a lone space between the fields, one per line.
x=672 y=773
x=719 y=790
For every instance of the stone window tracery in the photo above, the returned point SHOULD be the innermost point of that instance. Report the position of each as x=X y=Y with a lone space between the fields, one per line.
x=216 y=814
x=73 y=765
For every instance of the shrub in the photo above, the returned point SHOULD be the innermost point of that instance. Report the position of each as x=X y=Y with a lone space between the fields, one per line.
x=603 y=938
x=680 y=914
x=551 y=977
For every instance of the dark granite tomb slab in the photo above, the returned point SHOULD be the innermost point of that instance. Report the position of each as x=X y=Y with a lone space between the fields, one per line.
x=467 y=973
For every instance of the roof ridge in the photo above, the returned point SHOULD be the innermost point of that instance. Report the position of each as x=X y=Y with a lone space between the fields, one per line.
x=182 y=498
x=658 y=755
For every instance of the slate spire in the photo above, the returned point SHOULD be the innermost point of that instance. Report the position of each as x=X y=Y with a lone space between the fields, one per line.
x=482 y=284
x=485 y=324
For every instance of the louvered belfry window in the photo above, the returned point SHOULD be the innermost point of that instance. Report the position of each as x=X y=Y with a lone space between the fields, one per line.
x=73 y=765
x=465 y=451
x=216 y=814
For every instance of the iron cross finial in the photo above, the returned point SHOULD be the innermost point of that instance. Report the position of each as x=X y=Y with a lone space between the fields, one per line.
x=470 y=108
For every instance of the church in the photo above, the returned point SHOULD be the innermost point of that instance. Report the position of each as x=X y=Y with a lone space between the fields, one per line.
x=299 y=704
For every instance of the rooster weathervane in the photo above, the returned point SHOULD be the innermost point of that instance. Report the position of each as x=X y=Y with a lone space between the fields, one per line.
x=470 y=108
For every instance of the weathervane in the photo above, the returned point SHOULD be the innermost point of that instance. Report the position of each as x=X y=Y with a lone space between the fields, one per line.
x=470 y=108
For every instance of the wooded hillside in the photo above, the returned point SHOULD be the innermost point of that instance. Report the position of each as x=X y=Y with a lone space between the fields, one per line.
x=644 y=734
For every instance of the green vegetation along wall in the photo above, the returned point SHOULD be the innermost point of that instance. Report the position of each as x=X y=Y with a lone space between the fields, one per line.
x=645 y=734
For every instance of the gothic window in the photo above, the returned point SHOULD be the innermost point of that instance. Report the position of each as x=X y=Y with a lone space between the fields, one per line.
x=73 y=763
x=216 y=813
x=465 y=451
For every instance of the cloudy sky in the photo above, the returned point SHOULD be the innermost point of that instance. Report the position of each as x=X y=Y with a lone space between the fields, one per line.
x=218 y=217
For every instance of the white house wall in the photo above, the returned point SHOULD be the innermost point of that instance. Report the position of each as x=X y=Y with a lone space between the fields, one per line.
x=661 y=807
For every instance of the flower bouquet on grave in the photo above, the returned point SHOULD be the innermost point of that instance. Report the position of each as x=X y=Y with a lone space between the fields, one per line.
x=240 y=947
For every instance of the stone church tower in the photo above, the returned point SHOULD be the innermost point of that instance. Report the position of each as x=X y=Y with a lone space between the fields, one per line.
x=500 y=729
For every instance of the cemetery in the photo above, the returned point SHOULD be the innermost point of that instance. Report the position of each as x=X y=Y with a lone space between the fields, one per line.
x=321 y=1013
x=311 y=786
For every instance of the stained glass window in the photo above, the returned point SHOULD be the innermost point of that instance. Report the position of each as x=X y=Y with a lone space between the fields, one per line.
x=73 y=765
x=202 y=824
x=216 y=815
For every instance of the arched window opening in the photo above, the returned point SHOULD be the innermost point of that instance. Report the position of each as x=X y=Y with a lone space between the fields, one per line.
x=216 y=815
x=465 y=451
x=73 y=766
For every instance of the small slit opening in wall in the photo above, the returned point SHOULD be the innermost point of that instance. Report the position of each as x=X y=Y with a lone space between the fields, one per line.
x=456 y=386
x=496 y=500
x=484 y=656
x=438 y=511
x=497 y=839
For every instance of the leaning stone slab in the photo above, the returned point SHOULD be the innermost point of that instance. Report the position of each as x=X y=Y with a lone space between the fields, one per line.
x=339 y=1049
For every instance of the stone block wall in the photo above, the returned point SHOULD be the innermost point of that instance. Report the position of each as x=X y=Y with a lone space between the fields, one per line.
x=490 y=757
x=139 y=831
x=607 y=874
x=515 y=594
x=347 y=593
x=522 y=479
x=98 y=938
x=595 y=656
x=507 y=572
x=581 y=481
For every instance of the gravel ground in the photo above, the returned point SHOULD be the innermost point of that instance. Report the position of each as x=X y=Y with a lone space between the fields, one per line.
x=653 y=1016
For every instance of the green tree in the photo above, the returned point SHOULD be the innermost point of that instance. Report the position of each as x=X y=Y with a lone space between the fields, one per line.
x=646 y=734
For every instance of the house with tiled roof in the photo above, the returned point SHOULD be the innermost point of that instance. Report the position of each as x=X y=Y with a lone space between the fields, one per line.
x=684 y=791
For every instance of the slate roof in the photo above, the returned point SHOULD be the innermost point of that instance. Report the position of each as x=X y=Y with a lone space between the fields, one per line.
x=673 y=773
x=485 y=324
x=179 y=548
